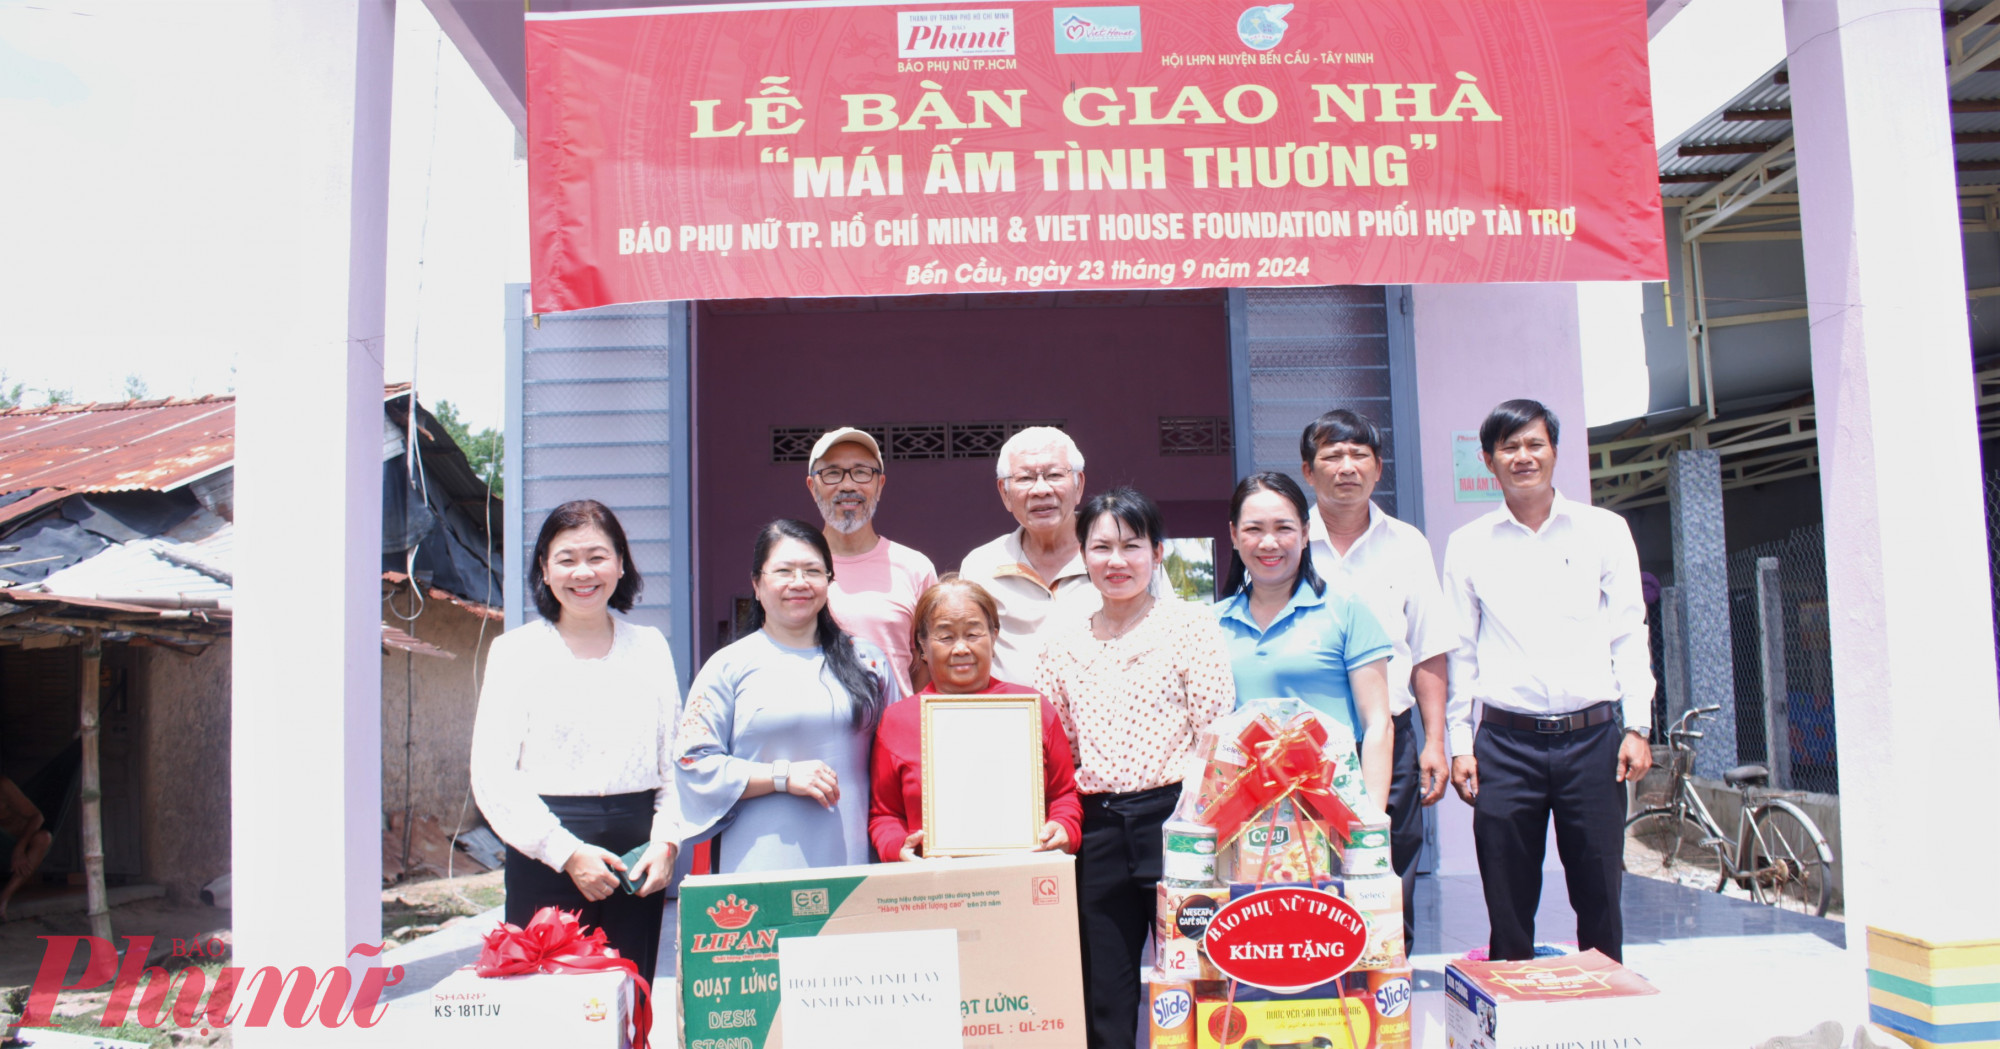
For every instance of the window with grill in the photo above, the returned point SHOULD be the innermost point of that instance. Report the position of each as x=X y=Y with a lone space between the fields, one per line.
x=908 y=442
x=1310 y=350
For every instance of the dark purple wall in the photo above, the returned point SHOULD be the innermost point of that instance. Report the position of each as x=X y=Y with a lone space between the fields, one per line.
x=1110 y=372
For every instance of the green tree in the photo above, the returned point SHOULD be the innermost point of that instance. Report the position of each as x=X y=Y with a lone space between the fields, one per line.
x=54 y=395
x=484 y=449
x=1193 y=578
x=11 y=392
x=135 y=388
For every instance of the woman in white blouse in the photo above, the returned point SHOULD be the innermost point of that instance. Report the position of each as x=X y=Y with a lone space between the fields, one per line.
x=1134 y=684
x=569 y=751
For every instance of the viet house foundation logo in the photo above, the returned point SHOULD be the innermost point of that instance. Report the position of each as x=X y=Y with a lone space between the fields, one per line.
x=954 y=34
x=1261 y=28
x=1097 y=30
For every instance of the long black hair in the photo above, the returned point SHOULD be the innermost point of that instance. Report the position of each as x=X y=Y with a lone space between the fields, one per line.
x=864 y=686
x=581 y=513
x=1269 y=481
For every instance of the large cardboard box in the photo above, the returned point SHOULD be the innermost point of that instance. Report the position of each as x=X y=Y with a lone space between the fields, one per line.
x=981 y=953
x=586 y=1010
x=1578 y=999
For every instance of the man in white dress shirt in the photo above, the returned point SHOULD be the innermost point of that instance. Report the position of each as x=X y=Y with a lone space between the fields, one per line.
x=1552 y=648
x=1387 y=564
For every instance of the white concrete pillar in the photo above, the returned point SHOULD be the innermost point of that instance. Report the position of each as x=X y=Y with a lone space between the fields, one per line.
x=306 y=728
x=1907 y=573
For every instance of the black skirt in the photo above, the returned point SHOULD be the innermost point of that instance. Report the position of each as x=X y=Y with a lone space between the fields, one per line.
x=619 y=823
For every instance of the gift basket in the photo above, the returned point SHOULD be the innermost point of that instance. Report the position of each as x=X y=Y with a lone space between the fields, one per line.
x=1273 y=798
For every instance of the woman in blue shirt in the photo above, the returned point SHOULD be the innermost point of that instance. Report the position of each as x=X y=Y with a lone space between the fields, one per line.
x=1290 y=636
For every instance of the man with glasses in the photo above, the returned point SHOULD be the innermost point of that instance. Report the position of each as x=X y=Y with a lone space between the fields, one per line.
x=876 y=582
x=1036 y=569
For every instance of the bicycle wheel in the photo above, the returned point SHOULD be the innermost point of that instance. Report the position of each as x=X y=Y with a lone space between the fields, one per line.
x=1669 y=845
x=1789 y=861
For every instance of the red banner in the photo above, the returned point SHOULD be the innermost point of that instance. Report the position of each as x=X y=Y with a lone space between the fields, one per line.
x=1000 y=147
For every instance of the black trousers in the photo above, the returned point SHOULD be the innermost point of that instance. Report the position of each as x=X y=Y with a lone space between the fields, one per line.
x=620 y=823
x=1117 y=884
x=1406 y=820
x=1525 y=778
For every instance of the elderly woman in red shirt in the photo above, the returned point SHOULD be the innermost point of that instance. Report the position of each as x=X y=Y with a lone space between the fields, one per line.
x=956 y=623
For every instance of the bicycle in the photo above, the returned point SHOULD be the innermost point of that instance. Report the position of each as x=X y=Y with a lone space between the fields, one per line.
x=1777 y=855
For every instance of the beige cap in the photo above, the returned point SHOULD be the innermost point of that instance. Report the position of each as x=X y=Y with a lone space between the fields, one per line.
x=840 y=436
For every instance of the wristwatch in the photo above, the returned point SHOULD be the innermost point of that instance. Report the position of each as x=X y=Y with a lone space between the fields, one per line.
x=781 y=774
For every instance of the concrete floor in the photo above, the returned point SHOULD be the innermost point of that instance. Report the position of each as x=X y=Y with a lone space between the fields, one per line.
x=1730 y=973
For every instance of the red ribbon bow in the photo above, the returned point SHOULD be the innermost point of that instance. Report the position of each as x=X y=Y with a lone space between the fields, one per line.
x=554 y=941
x=1284 y=762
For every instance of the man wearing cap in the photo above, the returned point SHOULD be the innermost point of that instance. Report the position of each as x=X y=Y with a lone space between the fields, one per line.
x=876 y=582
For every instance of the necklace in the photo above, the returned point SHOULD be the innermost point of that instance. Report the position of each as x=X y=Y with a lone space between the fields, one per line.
x=1117 y=630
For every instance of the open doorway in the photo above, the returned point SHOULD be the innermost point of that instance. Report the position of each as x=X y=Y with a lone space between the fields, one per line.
x=1141 y=381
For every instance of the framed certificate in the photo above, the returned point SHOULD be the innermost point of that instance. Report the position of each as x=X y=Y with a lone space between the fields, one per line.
x=982 y=759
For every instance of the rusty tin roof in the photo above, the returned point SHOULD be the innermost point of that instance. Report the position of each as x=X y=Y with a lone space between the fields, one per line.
x=156 y=445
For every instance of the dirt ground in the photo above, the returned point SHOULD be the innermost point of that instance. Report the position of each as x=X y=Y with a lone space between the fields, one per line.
x=416 y=908
x=21 y=946
x=408 y=911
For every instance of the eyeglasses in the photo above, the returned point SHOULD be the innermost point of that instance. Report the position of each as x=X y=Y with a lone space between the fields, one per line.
x=810 y=574
x=1025 y=482
x=833 y=475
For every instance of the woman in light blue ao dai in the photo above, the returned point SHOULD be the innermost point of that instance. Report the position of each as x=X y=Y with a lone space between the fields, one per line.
x=771 y=756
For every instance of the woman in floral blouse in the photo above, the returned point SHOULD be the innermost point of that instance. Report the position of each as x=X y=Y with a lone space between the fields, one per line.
x=1134 y=684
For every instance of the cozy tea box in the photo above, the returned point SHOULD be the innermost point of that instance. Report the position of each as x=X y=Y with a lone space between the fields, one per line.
x=1578 y=999
x=587 y=1010
x=980 y=953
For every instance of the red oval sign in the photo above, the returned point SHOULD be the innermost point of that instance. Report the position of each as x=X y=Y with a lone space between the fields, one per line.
x=1286 y=939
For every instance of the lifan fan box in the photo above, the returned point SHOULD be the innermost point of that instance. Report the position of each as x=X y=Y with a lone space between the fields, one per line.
x=992 y=940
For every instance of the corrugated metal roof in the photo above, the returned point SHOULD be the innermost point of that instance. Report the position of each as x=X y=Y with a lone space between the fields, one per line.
x=146 y=568
x=474 y=607
x=393 y=638
x=130 y=446
x=1731 y=126
x=25 y=614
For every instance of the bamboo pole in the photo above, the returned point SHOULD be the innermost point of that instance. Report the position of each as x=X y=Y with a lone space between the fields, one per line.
x=93 y=795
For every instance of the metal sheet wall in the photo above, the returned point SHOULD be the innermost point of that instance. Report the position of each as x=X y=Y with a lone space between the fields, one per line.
x=597 y=409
